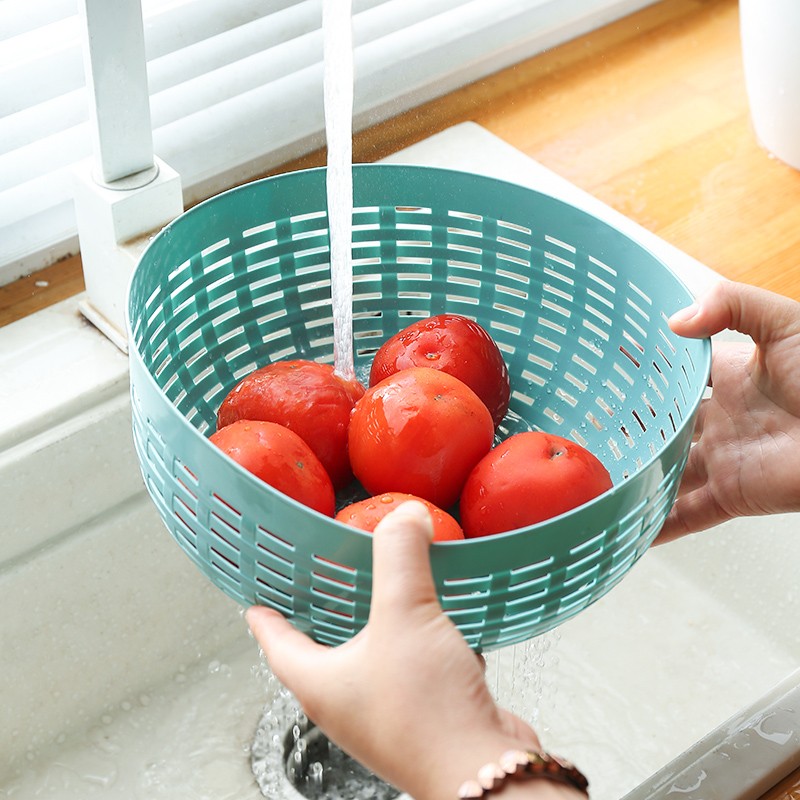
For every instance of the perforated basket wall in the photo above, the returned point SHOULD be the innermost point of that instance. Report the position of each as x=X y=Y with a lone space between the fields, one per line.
x=578 y=310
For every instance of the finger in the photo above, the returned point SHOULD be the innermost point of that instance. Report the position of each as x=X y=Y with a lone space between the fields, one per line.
x=695 y=474
x=292 y=656
x=700 y=420
x=481 y=662
x=401 y=571
x=758 y=313
x=693 y=512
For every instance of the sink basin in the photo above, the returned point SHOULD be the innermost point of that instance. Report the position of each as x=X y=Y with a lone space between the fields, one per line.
x=127 y=675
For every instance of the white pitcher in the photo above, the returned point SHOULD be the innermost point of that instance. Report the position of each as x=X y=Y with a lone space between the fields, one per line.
x=770 y=32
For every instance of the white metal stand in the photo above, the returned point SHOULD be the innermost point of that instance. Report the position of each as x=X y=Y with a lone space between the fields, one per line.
x=124 y=194
x=115 y=226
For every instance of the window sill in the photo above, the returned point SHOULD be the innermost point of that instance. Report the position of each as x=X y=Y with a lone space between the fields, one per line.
x=55 y=366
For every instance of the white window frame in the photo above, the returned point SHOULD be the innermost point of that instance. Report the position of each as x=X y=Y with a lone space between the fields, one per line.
x=431 y=53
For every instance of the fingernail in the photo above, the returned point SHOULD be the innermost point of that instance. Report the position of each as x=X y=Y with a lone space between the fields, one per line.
x=685 y=314
x=417 y=510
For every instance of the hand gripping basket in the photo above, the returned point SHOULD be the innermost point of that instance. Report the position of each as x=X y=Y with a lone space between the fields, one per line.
x=577 y=308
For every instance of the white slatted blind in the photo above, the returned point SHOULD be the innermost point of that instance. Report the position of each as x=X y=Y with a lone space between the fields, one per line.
x=236 y=87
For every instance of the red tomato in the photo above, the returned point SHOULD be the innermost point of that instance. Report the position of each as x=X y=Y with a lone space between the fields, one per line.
x=526 y=479
x=280 y=458
x=306 y=397
x=366 y=514
x=453 y=344
x=419 y=431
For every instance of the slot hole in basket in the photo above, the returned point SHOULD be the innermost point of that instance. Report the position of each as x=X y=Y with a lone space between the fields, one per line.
x=274 y=555
x=558 y=260
x=284 y=603
x=463 y=248
x=623 y=374
x=566 y=397
x=631 y=358
x=458 y=596
x=465 y=232
x=628 y=438
x=630 y=338
x=513 y=260
x=578 y=437
x=605 y=406
x=179 y=501
x=206 y=251
x=666 y=360
x=554 y=416
x=258 y=229
x=532 y=587
x=640 y=311
x=334 y=572
x=576 y=359
x=225 y=558
x=467 y=587
x=513 y=243
x=661 y=376
x=558 y=243
x=594 y=422
x=514 y=226
x=667 y=338
x=324 y=611
x=226 y=530
x=615 y=390
x=580 y=385
x=275 y=539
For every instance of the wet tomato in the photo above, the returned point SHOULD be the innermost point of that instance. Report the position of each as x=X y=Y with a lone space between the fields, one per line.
x=306 y=397
x=456 y=345
x=366 y=514
x=528 y=478
x=419 y=431
x=280 y=458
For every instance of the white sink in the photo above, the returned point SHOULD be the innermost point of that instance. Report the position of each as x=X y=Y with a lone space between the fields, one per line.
x=126 y=675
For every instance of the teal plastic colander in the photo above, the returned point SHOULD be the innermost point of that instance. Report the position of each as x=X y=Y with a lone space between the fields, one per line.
x=578 y=309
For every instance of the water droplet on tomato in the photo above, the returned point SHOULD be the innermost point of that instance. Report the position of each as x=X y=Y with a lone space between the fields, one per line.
x=387 y=498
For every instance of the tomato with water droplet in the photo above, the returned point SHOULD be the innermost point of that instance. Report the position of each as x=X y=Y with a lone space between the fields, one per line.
x=280 y=458
x=306 y=397
x=528 y=478
x=366 y=514
x=419 y=431
x=456 y=345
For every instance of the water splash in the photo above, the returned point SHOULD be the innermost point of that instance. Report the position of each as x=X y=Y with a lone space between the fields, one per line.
x=522 y=677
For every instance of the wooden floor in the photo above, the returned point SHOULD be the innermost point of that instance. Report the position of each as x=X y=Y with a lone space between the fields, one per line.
x=649 y=114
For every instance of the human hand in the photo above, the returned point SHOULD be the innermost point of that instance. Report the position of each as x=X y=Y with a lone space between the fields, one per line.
x=746 y=459
x=406 y=696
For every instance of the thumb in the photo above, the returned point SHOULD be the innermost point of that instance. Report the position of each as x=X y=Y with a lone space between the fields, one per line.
x=758 y=313
x=292 y=655
x=401 y=571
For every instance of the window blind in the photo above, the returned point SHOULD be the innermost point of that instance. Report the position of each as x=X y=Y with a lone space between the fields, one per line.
x=236 y=88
